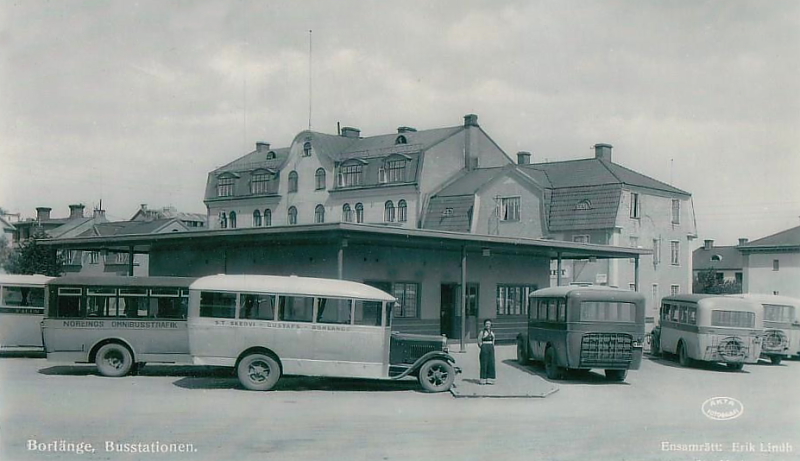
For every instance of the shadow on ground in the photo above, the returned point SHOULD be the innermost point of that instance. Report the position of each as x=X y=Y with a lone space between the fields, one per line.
x=304 y=383
x=670 y=361
x=570 y=377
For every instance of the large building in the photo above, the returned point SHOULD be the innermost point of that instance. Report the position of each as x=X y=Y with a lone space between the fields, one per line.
x=458 y=179
x=772 y=264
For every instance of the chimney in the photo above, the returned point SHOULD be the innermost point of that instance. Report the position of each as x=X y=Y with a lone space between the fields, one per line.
x=76 y=211
x=708 y=244
x=603 y=152
x=262 y=146
x=98 y=214
x=406 y=129
x=470 y=120
x=470 y=157
x=523 y=158
x=43 y=213
x=350 y=132
x=743 y=241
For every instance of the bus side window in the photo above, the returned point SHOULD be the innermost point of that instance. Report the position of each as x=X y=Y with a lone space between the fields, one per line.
x=367 y=313
x=69 y=306
x=217 y=305
x=552 y=312
x=542 y=309
x=675 y=313
x=257 y=307
x=333 y=310
x=692 y=316
x=296 y=309
x=684 y=317
x=562 y=310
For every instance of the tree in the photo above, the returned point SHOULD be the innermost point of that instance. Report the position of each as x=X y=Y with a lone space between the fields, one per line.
x=708 y=282
x=30 y=257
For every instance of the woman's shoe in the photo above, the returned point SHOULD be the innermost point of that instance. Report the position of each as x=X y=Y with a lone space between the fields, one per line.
x=483 y=381
x=491 y=381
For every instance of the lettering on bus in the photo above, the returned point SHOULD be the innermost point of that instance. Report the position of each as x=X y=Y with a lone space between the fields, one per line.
x=120 y=324
x=21 y=310
x=291 y=326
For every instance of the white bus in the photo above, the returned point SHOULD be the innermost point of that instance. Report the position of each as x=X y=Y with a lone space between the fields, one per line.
x=118 y=323
x=21 y=311
x=268 y=326
x=710 y=328
x=781 y=331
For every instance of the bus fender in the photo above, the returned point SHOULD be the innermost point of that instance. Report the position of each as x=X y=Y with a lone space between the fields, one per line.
x=429 y=356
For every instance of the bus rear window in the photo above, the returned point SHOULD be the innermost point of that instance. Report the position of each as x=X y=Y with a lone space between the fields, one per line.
x=604 y=311
x=778 y=313
x=367 y=313
x=217 y=305
x=737 y=319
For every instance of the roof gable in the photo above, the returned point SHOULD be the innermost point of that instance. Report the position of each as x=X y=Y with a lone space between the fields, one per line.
x=788 y=237
x=718 y=257
x=584 y=208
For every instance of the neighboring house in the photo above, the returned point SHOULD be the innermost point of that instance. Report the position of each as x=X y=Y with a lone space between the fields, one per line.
x=104 y=262
x=75 y=224
x=725 y=261
x=7 y=233
x=772 y=264
x=196 y=221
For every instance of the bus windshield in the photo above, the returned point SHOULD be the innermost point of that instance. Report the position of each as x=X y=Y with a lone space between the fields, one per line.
x=739 y=319
x=608 y=311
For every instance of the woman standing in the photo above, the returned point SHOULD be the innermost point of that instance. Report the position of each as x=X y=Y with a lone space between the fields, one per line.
x=486 y=344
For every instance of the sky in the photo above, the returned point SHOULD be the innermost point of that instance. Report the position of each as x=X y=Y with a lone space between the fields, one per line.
x=133 y=102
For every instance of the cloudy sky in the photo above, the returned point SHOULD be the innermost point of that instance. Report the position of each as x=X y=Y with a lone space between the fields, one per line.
x=134 y=102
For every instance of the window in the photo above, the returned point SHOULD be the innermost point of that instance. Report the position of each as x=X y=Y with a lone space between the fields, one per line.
x=716 y=258
x=69 y=303
x=307 y=149
x=271 y=155
x=94 y=257
x=256 y=218
x=267 y=217
x=605 y=311
x=347 y=213
x=71 y=257
x=23 y=297
x=260 y=183
x=656 y=251
x=581 y=239
x=776 y=264
x=388 y=211
x=692 y=316
x=257 y=307
x=293 y=181
x=292 y=215
x=632 y=286
x=654 y=294
x=233 y=219
x=676 y=211
x=319 y=179
x=367 y=313
x=332 y=310
x=401 y=140
x=319 y=214
x=223 y=220
x=778 y=313
x=359 y=213
x=225 y=187
x=217 y=305
x=397 y=170
x=719 y=277
x=674 y=290
x=634 y=242
x=407 y=297
x=513 y=299
x=296 y=308
x=350 y=175
x=675 y=248
x=402 y=211
x=635 y=205
x=509 y=209
x=739 y=278
x=738 y=319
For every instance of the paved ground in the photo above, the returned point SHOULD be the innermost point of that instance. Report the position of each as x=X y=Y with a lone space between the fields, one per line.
x=654 y=413
x=513 y=380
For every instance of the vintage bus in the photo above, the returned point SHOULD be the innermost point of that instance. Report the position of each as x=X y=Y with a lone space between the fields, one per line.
x=268 y=326
x=781 y=331
x=21 y=311
x=580 y=328
x=118 y=323
x=709 y=328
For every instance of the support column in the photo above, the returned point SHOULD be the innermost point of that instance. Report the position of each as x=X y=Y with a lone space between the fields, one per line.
x=130 y=261
x=636 y=273
x=340 y=259
x=463 y=306
x=558 y=270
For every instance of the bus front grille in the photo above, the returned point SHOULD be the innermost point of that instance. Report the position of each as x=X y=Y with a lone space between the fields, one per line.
x=606 y=350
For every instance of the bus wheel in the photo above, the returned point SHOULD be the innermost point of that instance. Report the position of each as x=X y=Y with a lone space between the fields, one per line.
x=522 y=354
x=655 y=346
x=436 y=375
x=113 y=360
x=616 y=375
x=551 y=368
x=775 y=359
x=683 y=357
x=258 y=372
x=735 y=366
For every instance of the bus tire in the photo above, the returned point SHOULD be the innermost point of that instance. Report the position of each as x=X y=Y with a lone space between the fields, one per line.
x=735 y=366
x=775 y=359
x=258 y=372
x=522 y=352
x=551 y=368
x=114 y=360
x=616 y=375
x=436 y=375
x=683 y=357
x=655 y=346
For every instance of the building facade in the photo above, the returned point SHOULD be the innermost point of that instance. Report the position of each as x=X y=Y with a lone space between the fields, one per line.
x=725 y=261
x=772 y=264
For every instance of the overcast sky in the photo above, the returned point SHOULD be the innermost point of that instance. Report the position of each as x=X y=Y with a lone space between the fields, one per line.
x=135 y=102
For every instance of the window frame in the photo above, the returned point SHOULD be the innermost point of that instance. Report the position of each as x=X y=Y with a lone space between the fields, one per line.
x=675 y=252
x=510 y=209
x=292 y=215
x=294 y=180
x=676 y=211
x=636 y=206
x=225 y=186
x=257 y=218
x=319 y=214
x=388 y=211
x=319 y=179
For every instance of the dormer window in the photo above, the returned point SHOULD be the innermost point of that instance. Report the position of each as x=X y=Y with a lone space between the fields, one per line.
x=583 y=205
x=307 y=149
x=716 y=258
x=401 y=140
x=225 y=186
x=350 y=174
x=260 y=182
x=271 y=155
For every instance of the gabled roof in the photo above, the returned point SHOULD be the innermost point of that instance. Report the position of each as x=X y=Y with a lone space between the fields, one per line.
x=730 y=258
x=453 y=214
x=594 y=172
x=130 y=227
x=471 y=181
x=256 y=159
x=382 y=145
x=584 y=208
x=790 y=238
x=69 y=226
